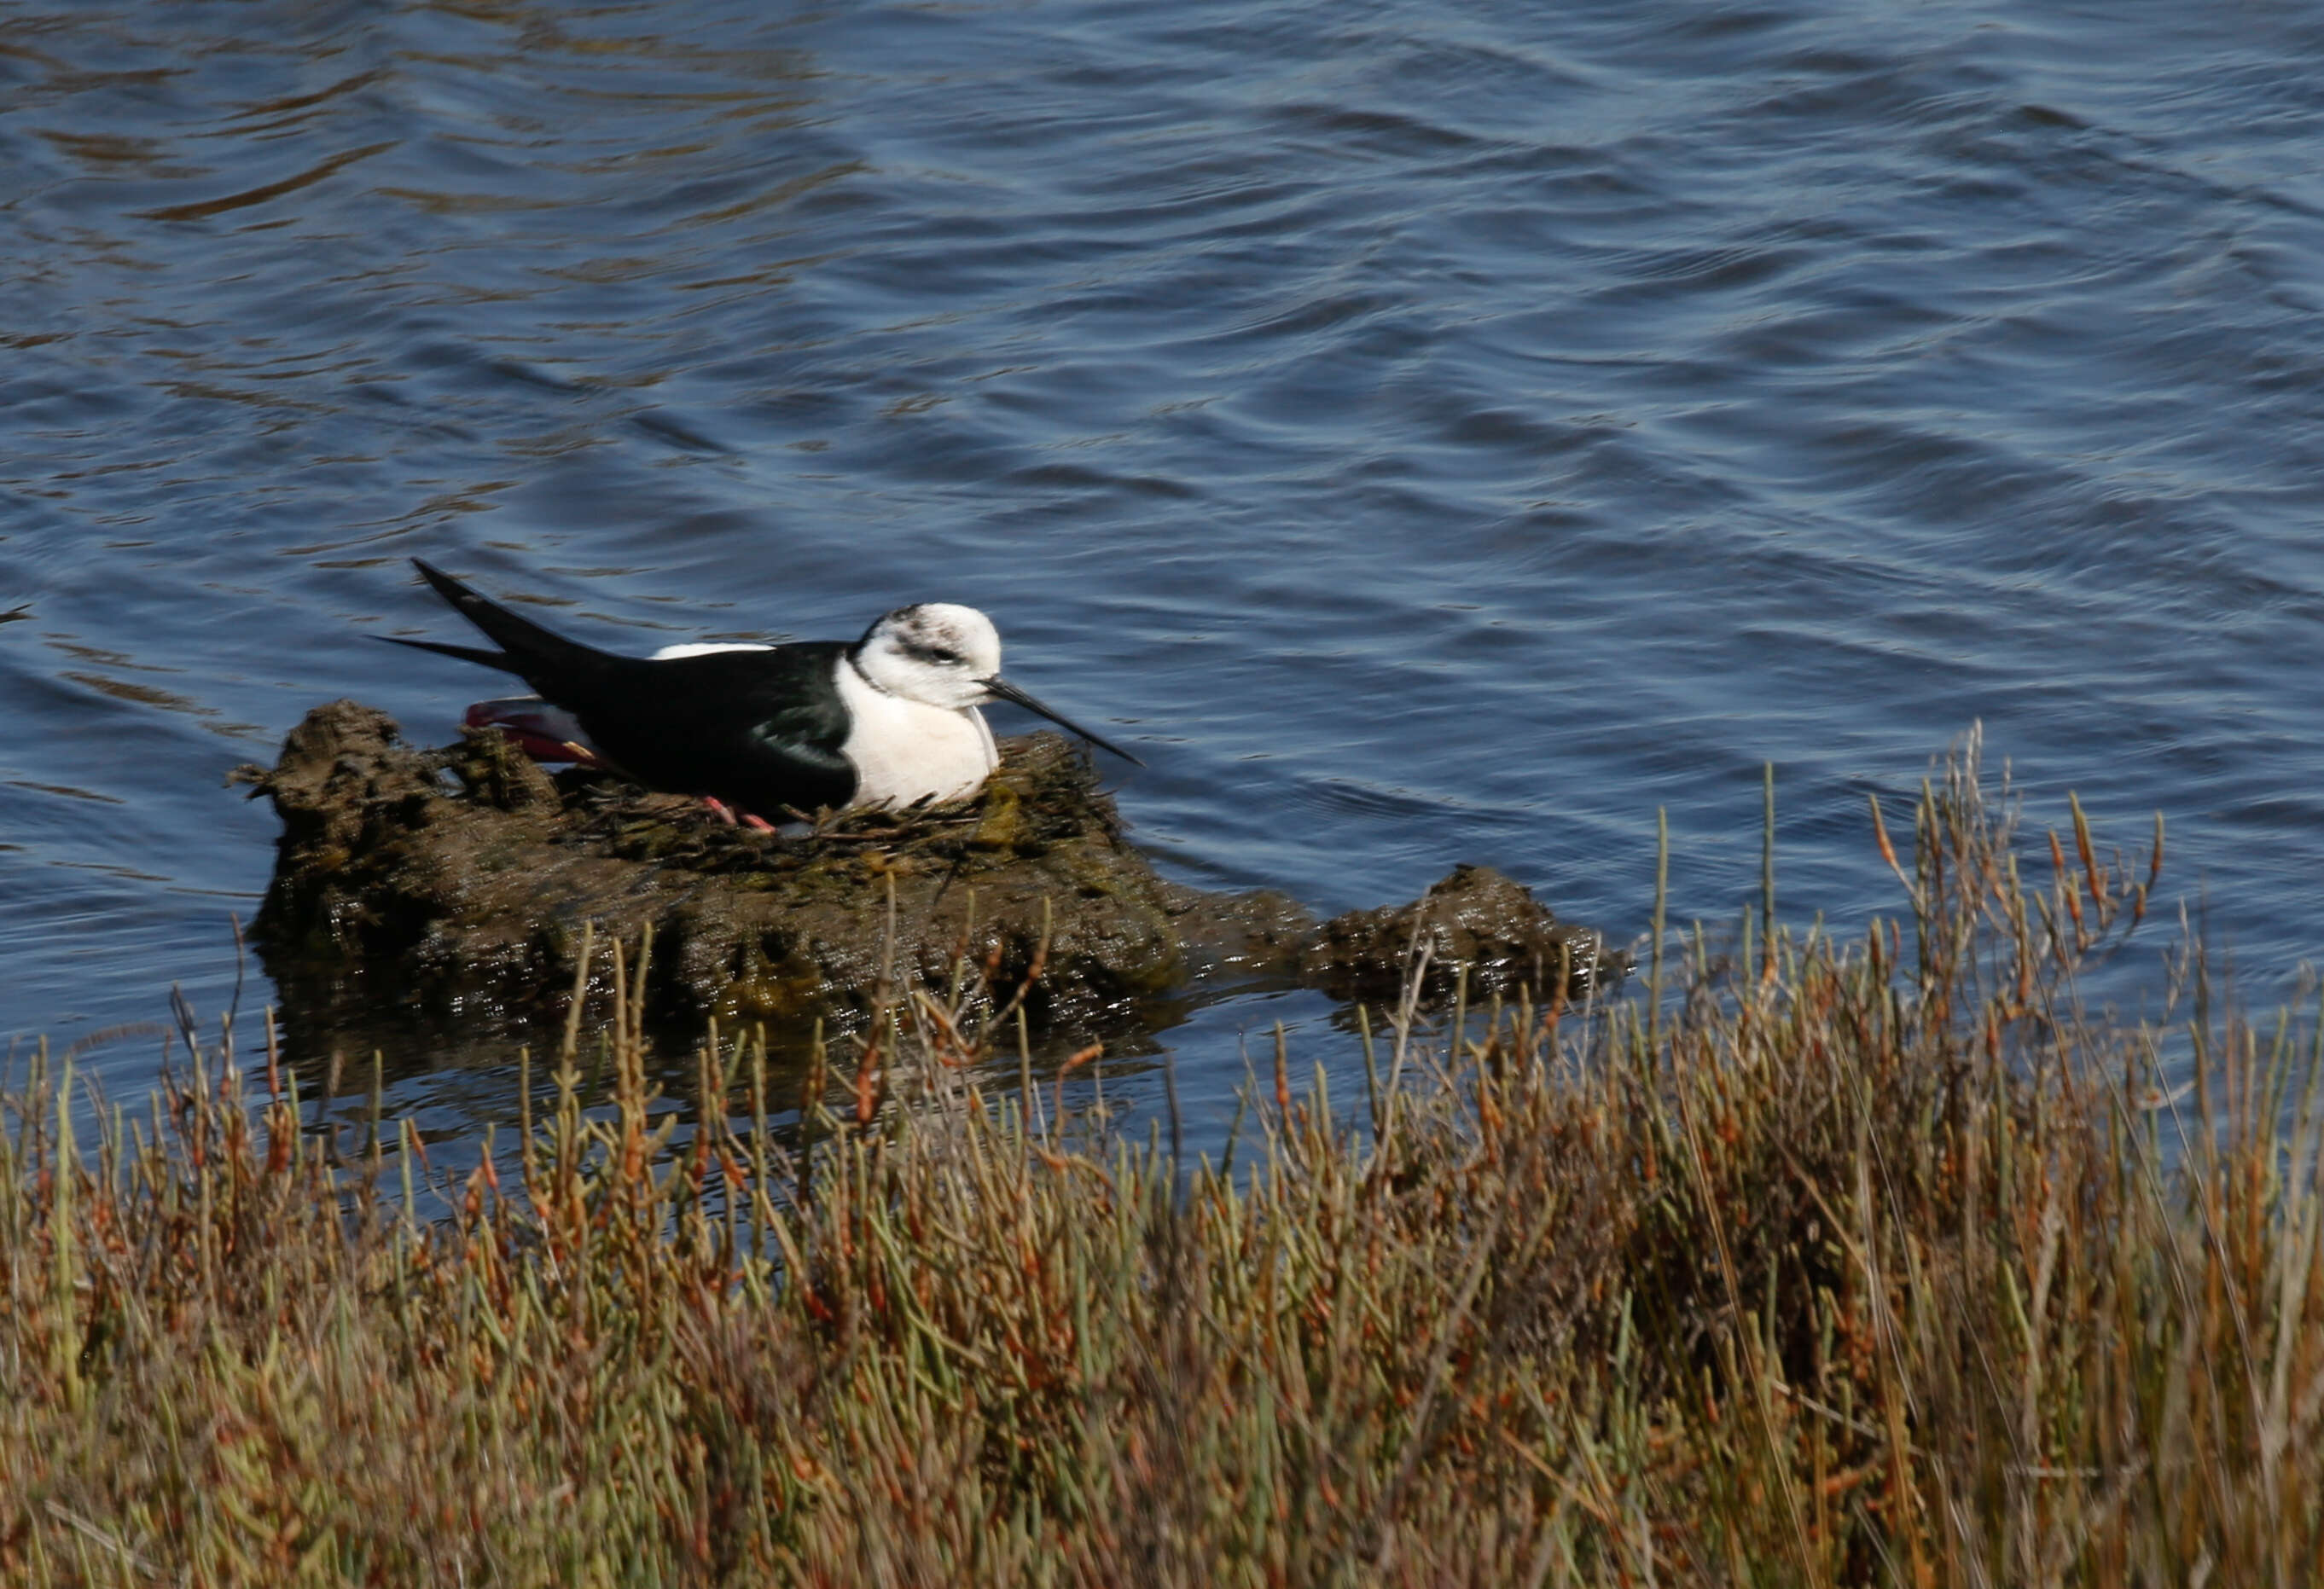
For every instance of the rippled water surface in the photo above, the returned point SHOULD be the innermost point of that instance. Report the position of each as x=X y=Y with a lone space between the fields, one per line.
x=1429 y=431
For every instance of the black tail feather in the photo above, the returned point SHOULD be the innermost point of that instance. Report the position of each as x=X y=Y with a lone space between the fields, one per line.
x=500 y=660
x=543 y=656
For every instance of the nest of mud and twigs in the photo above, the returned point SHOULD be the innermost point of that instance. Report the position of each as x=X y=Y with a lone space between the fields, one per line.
x=462 y=878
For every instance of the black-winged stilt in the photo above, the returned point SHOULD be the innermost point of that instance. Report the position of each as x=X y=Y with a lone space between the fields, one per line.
x=888 y=719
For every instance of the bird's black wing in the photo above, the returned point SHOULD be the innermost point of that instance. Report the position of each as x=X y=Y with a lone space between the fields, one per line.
x=761 y=730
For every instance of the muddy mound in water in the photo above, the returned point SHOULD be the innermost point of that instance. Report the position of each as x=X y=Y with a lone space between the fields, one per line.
x=460 y=879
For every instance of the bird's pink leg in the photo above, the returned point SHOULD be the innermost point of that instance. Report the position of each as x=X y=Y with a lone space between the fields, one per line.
x=733 y=818
x=542 y=731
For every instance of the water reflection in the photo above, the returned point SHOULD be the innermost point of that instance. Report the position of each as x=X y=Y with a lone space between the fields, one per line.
x=1450 y=436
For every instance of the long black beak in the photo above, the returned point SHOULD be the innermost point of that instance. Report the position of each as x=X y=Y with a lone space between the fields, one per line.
x=1001 y=689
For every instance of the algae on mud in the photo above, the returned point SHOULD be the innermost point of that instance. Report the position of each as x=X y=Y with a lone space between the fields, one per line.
x=461 y=879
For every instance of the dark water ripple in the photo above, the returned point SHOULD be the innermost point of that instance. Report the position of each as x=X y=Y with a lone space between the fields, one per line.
x=1437 y=433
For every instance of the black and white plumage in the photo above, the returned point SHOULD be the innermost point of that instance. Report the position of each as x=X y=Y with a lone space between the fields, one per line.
x=888 y=719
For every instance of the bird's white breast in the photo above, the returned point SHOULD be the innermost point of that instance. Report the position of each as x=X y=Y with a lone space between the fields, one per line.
x=905 y=750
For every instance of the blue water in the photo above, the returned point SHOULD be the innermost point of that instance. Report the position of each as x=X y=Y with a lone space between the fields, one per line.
x=1427 y=432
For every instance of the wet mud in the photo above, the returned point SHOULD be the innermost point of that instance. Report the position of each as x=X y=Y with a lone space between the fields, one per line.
x=459 y=881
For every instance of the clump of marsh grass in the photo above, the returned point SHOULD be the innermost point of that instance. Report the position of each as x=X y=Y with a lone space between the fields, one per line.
x=1864 y=1262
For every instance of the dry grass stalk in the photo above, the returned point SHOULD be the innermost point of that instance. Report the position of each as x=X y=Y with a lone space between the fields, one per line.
x=1863 y=1262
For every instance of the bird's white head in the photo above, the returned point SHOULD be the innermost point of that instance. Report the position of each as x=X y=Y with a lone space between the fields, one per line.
x=937 y=653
